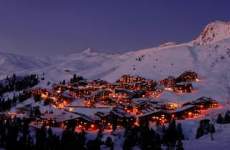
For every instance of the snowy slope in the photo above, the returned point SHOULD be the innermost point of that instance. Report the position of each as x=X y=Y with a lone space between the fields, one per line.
x=14 y=63
x=90 y=64
x=213 y=32
x=158 y=62
x=221 y=140
x=209 y=55
x=210 y=59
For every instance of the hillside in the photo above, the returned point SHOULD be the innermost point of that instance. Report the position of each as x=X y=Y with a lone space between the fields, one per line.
x=210 y=59
x=14 y=63
x=213 y=32
x=92 y=103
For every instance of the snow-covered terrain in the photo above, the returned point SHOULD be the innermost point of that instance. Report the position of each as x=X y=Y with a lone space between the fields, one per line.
x=14 y=63
x=221 y=140
x=214 y=32
x=208 y=55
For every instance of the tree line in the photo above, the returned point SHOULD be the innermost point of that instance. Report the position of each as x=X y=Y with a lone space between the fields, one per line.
x=18 y=83
x=7 y=103
x=16 y=133
x=148 y=139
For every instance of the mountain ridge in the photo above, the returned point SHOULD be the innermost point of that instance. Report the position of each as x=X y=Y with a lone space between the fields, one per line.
x=213 y=32
x=210 y=60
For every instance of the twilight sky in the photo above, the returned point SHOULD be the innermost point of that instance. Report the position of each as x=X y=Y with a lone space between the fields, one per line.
x=44 y=27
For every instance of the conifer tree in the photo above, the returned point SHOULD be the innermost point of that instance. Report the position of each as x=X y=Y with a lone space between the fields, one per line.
x=220 y=119
x=179 y=145
x=227 y=117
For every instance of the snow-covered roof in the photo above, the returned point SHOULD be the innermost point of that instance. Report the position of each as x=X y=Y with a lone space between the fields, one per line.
x=187 y=107
x=60 y=116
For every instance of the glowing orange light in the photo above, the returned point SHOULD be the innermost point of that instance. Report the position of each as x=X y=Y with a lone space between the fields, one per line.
x=135 y=110
x=190 y=114
x=64 y=102
x=71 y=109
x=136 y=123
x=197 y=80
x=44 y=96
x=109 y=125
x=60 y=105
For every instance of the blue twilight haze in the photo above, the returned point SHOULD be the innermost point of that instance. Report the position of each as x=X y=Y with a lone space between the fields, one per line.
x=45 y=27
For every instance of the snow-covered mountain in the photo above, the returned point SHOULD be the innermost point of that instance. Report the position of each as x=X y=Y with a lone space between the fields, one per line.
x=209 y=55
x=210 y=58
x=214 y=32
x=14 y=63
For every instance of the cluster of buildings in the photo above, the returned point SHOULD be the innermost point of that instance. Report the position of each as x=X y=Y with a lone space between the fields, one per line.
x=182 y=83
x=130 y=100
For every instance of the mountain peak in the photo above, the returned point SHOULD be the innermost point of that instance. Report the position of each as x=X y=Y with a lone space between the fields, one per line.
x=89 y=51
x=213 y=32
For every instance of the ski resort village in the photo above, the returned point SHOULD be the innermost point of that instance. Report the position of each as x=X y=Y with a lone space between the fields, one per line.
x=148 y=99
x=131 y=100
x=98 y=107
x=114 y=75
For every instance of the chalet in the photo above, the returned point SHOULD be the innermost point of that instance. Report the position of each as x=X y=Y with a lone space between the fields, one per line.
x=66 y=95
x=138 y=93
x=124 y=79
x=102 y=115
x=87 y=122
x=98 y=96
x=167 y=106
x=141 y=103
x=123 y=94
x=135 y=86
x=168 y=82
x=108 y=101
x=188 y=111
x=121 y=116
x=104 y=118
x=154 y=115
x=59 y=118
x=153 y=93
x=187 y=76
x=81 y=92
x=148 y=104
x=130 y=79
x=183 y=88
x=101 y=94
x=151 y=84
x=203 y=103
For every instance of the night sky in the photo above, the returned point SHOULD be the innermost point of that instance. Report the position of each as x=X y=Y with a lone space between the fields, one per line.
x=45 y=27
